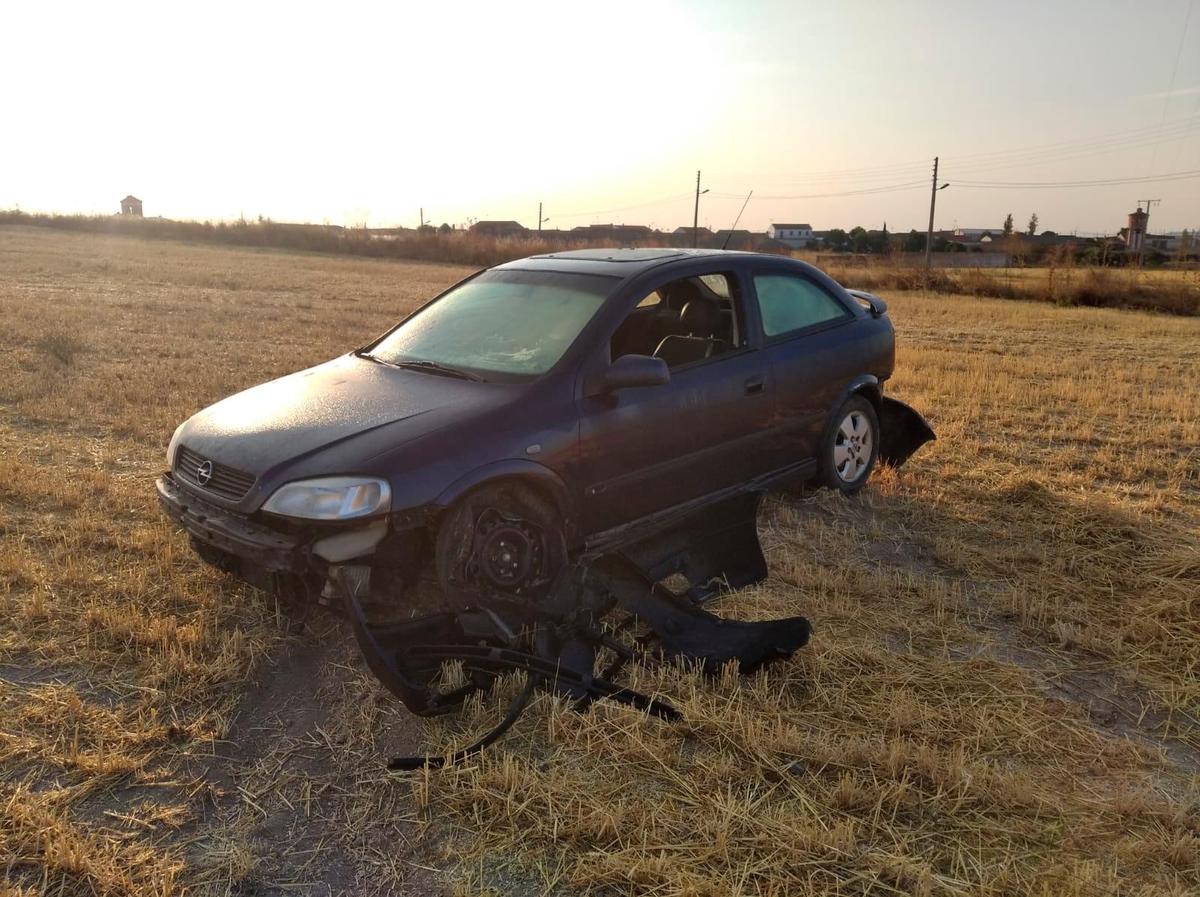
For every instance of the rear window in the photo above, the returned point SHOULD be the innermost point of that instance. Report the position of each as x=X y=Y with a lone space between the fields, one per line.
x=505 y=322
x=788 y=303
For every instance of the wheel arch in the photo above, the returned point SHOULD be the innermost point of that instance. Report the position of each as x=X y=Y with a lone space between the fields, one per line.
x=865 y=385
x=541 y=479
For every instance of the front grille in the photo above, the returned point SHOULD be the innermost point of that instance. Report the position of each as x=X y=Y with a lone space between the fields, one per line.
x=225 y=481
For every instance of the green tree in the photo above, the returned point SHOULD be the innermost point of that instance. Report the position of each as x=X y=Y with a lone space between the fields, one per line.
x=879 y=243
x=914 y=242
x=885 y=241
x=1008 y=225
x=837 y=239
x=859 y=240
x=1032 y=229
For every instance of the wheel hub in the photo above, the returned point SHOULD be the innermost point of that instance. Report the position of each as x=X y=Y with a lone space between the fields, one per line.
x=508 y=551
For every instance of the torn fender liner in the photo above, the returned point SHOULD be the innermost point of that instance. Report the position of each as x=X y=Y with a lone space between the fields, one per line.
x=685 y=630
x=902 y=431
x=715 y=548
x=555 y=639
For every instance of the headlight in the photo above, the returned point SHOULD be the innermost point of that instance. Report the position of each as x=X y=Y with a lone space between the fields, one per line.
x=331 y=498
x=171 y=447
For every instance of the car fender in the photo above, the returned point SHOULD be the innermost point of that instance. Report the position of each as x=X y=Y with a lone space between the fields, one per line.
x=537 y=475
x=867 y=384
x=902 y=430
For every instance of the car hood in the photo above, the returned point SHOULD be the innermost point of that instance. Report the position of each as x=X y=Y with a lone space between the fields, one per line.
x=332 y=404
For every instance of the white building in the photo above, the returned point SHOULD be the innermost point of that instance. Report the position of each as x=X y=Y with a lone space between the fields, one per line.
x=798 y=236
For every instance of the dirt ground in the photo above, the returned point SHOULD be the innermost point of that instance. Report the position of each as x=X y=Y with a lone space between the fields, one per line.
x=1001 y=696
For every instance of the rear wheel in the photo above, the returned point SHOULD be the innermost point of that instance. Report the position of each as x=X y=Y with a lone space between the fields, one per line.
x=500 y=538
x=850 y=447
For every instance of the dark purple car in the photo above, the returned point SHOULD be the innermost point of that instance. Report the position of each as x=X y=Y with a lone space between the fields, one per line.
x=542 y=413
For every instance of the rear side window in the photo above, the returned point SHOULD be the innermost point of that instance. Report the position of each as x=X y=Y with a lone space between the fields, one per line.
x=788 y=303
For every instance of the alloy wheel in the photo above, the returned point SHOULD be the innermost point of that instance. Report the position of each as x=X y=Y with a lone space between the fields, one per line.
x=852 y=447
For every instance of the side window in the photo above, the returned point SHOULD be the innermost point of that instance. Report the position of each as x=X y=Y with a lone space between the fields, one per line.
x=684 y=321
x=718 y=283
x=788 y=303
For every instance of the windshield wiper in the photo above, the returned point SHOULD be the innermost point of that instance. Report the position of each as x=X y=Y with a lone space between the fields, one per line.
x=434 y=367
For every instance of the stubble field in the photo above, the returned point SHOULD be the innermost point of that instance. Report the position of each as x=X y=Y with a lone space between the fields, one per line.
x=1002 y=695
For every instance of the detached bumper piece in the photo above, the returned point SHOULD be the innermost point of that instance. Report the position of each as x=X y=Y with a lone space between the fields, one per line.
x=903 y=431
x=557 y=639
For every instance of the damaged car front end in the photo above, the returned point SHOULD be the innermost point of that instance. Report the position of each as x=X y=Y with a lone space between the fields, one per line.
x=550 y=468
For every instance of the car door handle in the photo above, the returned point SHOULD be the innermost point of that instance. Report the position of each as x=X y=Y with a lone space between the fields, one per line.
x=754 y=385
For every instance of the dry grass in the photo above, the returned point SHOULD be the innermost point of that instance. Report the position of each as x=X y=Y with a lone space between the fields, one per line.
x=453 y=247
x=1174 y=292
x=1001 y=696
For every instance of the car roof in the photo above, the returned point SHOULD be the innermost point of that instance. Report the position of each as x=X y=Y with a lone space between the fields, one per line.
x=621 y=263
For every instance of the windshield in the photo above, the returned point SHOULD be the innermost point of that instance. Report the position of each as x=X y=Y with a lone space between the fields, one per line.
x=507 y=322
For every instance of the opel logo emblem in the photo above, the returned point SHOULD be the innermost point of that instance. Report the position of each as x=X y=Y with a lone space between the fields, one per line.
x=204 y=473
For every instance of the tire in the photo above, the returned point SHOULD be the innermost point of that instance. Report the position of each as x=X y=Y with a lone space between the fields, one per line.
x=503 y=537
x=850 y=447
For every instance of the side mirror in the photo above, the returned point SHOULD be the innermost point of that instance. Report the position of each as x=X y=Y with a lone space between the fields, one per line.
x=630 y=371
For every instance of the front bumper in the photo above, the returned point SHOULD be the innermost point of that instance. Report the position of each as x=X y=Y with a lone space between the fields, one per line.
x=233 y=534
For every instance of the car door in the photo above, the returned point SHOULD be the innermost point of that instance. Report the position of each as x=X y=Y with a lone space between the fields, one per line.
x=808 y=337
x=647 y=449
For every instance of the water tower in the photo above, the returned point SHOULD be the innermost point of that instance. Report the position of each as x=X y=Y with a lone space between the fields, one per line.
x=1136 y=231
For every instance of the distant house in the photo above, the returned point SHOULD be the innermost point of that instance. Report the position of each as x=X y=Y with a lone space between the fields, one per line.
x=498 y=229
x=687 y=232
x=971 y=239
x=131 y=205
x=797 y=236
x=683 y=236
x=1164 y=242
x=735 y=239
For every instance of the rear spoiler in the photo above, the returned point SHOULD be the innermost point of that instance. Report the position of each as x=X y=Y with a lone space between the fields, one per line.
x=876 y=305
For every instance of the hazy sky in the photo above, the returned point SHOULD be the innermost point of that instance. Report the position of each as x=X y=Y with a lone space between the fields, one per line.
x=345 y=112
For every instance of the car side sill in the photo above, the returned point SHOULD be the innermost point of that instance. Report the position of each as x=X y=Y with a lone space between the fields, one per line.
x=665 y=468
x=624 y=534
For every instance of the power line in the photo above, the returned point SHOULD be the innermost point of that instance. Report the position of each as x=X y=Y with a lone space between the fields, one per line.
x=867 y=191
x=974 y=163
x=1105 y=182
x=847 y=173
x=1177 y=132
x=1096 y=140
x=639 y=205
x=1193 y=119
x=1187 y=18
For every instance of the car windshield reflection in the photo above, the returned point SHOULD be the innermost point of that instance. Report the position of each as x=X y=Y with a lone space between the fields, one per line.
x=502 y=322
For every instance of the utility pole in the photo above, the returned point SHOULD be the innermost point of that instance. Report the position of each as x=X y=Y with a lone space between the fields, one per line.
x=696 y=215
x=541 y=220
x=422 y=227
x=1142 y=243
x=932 y=203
